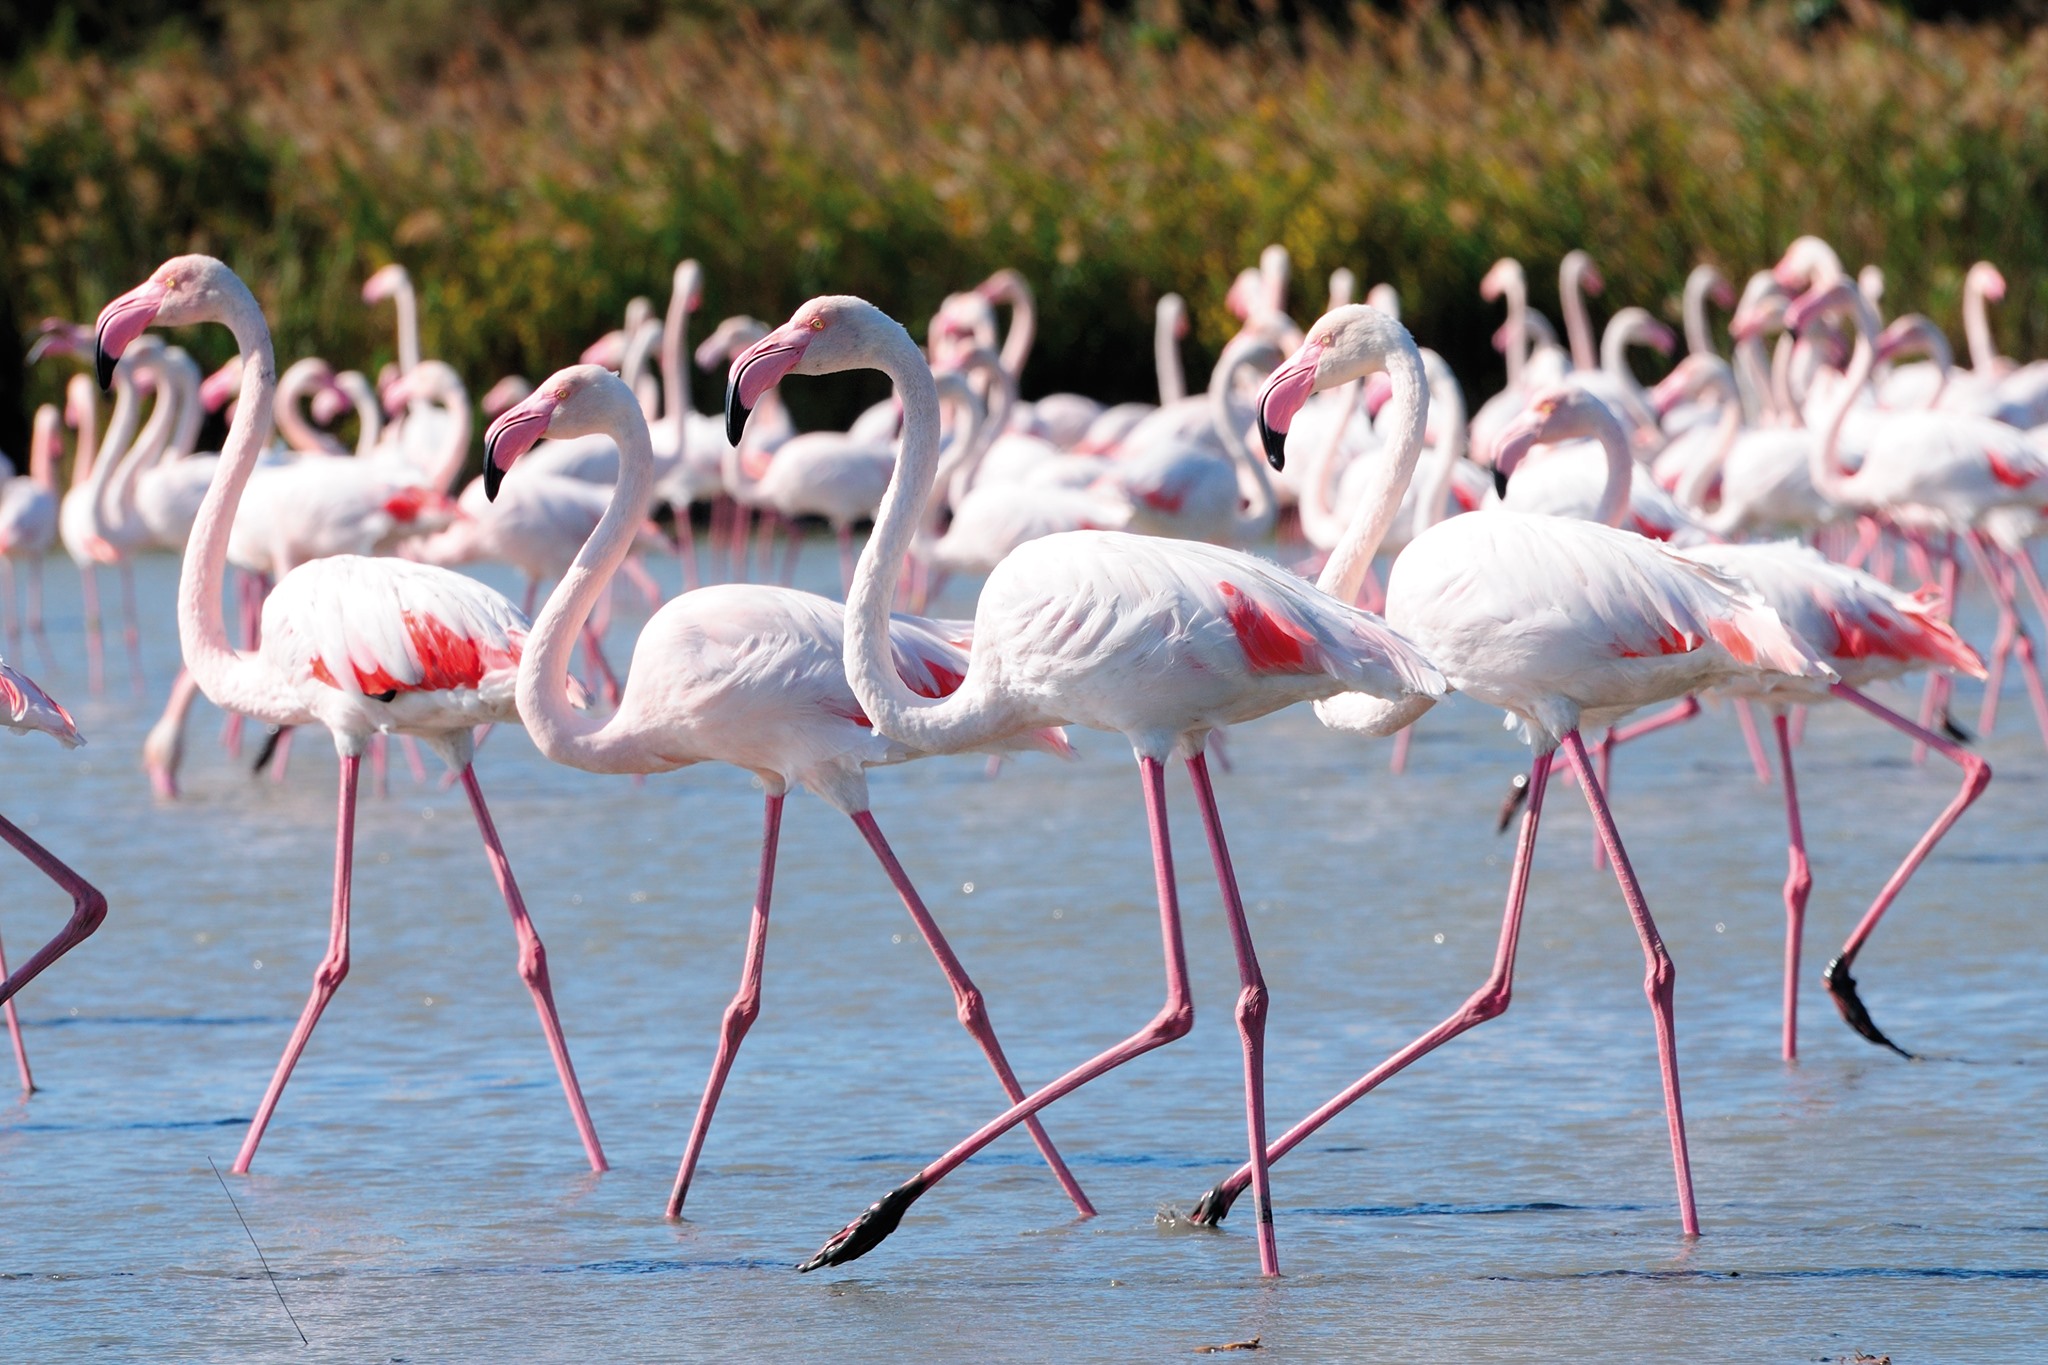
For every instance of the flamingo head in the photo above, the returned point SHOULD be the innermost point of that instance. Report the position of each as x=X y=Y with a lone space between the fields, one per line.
x=689 y=282
x=80 y=407
x=1386 y=298
x=184 y=289
x=1246 y=293
x=428 y=381
x=1344 y=344
x=728 y=339
x=608 y=350
x=1989 y=279
x=1719 y=291
x=1910 y=332
x=577 y=401
x=1826 y=298
x=513 y=388
x=385 y=283
x=1343 y=286
x=1806 y=263
x=1589 y=277
x=1642 y=329
x=1005 y=286
x=1173 y=310
x=55 y=336
x=1692 y=376
x=1761 y=308
x=830 y=333
x=1378 y=389
x=1506 y=273
x=1553 y=416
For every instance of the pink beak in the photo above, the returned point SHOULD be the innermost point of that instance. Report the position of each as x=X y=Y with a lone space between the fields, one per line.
x=758 y=369
x=1281 y=397
x=516 y=431
x=120 y=322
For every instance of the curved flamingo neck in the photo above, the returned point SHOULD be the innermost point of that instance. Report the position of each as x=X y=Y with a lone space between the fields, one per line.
x=1319 y=519
x=1699 y=336
x=185 y=379
x=558 y=729
x=675 y=353
x=117 y=498
x=1256 y=518
x=228 y=677
x=1447 y=405
x=1621 y=470
x=292 y=389
x=1023 y=326
x=1578 y=325
x=1984 y=358
x=369 y=412
x=1406 y=417
x=44 y=443
x=408 y=310
x=1173 y=384
x=442 y=474
x=1692 y=490
x=991 y=417
x=1830 y=480
x=1516 y=289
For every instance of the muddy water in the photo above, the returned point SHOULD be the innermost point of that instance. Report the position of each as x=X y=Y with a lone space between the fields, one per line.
x=421 y=1194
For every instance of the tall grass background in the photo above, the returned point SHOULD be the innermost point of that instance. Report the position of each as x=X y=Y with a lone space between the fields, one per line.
x=531 y=189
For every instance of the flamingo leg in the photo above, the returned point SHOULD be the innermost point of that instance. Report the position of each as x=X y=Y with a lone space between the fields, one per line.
x=2022 y=645
x=789 y=556
x=1976 y=776
x=1173 y=1021
x=1934 y=699
x=968 y=1003
x=1660 y=978
x=533 y=970
x=1488 y=1002
x=35 y=612
x=1798 y=886
x=28 y=1080
x=281 y=760
x=89 y=592
x=686 y=549
x=1398 y=763
x=844 y=535
x=131 y=629
x=331 y=972
x=1746 y=719
x=88 y=911
x=1868 y=534
x=2001 y=650
x=740 y=1014
x=594 y=652
x=764 y=540
x=634 y=572
x=1252 y=1002
x=380 y=766
x=408 y=746
x=13 y=594
x=742 y=523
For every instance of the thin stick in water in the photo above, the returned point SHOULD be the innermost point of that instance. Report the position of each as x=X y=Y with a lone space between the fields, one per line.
x=263 y=1260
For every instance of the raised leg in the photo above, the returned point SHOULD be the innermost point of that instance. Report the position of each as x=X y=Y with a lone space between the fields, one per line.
x=1488 y=1002
x=1659 y=981
x=333 y=968
x=88 y=910
x=28 y=1080
x=1252 y=1000
x=1173 y=1021
x=1798 y=886
x=741 y=1013
x=968 y=1003
x=1976 y=776
x=533 y=970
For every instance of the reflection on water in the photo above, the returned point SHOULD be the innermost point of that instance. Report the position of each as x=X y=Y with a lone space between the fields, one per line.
x=422 y=1194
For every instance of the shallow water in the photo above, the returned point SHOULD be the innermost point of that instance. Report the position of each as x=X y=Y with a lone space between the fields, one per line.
x=421 y=1193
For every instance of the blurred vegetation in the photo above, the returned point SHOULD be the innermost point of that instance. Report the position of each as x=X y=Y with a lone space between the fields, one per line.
x=533 y=172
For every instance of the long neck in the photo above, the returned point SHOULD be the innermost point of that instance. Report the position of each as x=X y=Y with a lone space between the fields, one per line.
x=1256 y=517
x=42 y=448
x=675 y=363
x=563 y=733
x=1692 y=490
x=299 y=434
x=369 y=413
x=1447 y=405
x=1824 y=455
x=964 y=720
x=226 y=676
x=1699 y=339
x=1621 y=472
x=1517 y=291
x=121 y=428
x=1977 y=328
x=408 y=326
x=443 y=472
x=1577 y=325
x=1753 y=380
x=86 y=452
x=1173 y=384
x=117 y=503
x=1023 y=330
x=1319 y=521
x=990 y=419
x=1408 y=409
x=184 y=373
x=1781 y=380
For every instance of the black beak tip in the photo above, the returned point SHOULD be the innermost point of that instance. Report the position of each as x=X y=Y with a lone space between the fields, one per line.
x=1275 y=443
x=735 y=413
x=494 y=477
x=103 y=365
x=1500 y=482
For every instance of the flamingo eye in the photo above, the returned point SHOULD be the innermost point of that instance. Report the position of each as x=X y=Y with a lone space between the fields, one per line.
x=817 y=324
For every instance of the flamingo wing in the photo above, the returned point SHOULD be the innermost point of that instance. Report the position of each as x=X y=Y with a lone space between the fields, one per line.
x=380 y=627
x=28 y=707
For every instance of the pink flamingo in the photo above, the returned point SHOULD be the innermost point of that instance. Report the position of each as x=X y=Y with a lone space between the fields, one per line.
x=28 y=523
x=750 y=676
x=82 y=522
x=1562 y=624
x=359 y=645
x=1160 y=640
x=24 y=708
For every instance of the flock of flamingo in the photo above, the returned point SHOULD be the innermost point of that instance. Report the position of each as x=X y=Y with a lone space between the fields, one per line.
x=1578 y=549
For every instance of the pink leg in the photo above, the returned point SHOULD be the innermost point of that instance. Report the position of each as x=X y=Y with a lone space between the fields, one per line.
x=408 y=746
x=1658 y=982
x=1867 y=536
x=1676 y=714
x=1976 y=776
x=770 y=523
x=1799 y=725
x=1398 y=763
x=1798 y=886
x=35 y=613
x=1746 y=718
x=1252 y=1002
x=28 y=1080
x=968 y=1003
x=2022 y=644
x=844 y=535
x=333 y=968
x=686 y=549
x=88 y=910
x=742 y=523
x=380 y=766
x=594 y=652
x=2001 y=650
x=13 y=595
x=1173 y=1021
x=89 y=591
x=1488 y=1002
x=281 y=761
x=131 y=629
x=741 y=1013
x=533 y=970
x=789 y=555
x=634 y=572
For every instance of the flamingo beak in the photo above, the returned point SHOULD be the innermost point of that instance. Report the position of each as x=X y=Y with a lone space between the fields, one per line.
x=758 y=369
x=515 y=432
x=1281 y=397
x=120 y=322
x=1515 y=442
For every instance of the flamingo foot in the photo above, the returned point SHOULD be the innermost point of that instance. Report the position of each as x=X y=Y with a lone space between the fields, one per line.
x=1212 y=1208
x=866 y=1232
x=1842 y=987
x=269 y=749
x=1955 y=731
x=1518 y=792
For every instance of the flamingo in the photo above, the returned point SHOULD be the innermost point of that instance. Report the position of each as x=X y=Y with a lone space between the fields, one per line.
x=82 y=522
x=25 y=708
x=1562 y=624
x=740 y=674
x=362 y=646
x=28 y=523
x=1159 y=640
